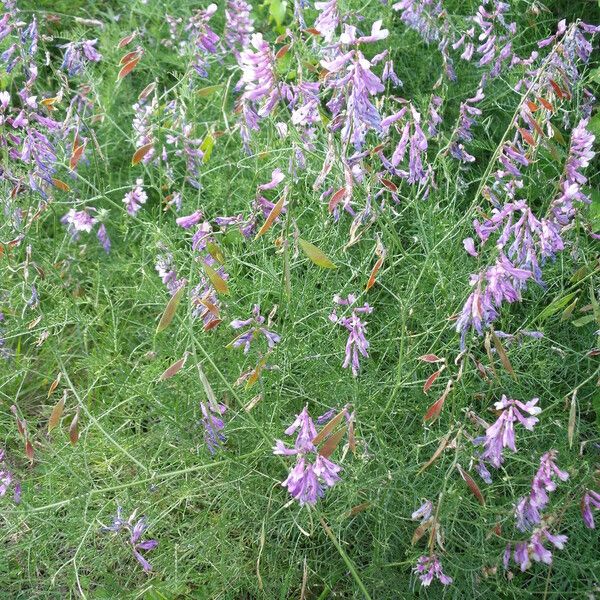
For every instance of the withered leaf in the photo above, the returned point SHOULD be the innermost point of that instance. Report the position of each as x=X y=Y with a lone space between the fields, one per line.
x=376 y=268
x=332 y=443
x=336 y=198
x=572 y=418
x=275 y=212
x=329 y=427
x=29 y=450
x=174 y=368
x=436 y=454
x=73 y=428
x=170 y=310
x=56 y=414
x=139 y=154
x=436 y=408
x=355 y=510
x=472 y=485
x=128 y=68
x=502 y=354
x=431 y=379
x=431 y=358
x=421 y=530
x=54 y=385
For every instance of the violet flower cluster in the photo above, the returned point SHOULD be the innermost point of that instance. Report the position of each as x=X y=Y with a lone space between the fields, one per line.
x=259 y=84
x=254 y=329
x=78 y=221
x=313 y=473
x=205 y=302
x=429 y=567
x=134 y=531
x=353 y=84
x=413 y=139
x=528 y=513
x=77 y=54
x=7 y=479
x=165 y=267
x=534 y=549
x=239 y=25
x=501 y=434
x=213 y=425
x=525 y=241
x=528 y=508
x=135 y=198
x=30 y=138
x=590 y=499
x=261 y=208
x=357 y=344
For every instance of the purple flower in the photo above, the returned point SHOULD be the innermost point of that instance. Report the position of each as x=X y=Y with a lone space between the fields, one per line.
x=6 y=477
x=306 y=481
x=357 y=344
x=103 y=238
x=134 y=199
x=534 y=549
x=423 y=16
x=353 y=84
x=135 y=531
x=213 y=425
x=501 y=434
x=589 y=500
x=239 y=25
x=205 y=301
x=255 y=328
x=78 y=220
x=423 y=513
x=328 y=19
x=166 y=270
x=528 y=508
x=276 y=178
x=258 y=80
x=76 y=55
x=429 y=567
x=469 y=245
x=189 y=220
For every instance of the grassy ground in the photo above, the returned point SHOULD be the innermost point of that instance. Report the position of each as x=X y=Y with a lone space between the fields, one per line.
x=224 y=527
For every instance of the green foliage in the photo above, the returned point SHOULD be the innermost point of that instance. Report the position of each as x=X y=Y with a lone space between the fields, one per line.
x=224 y=527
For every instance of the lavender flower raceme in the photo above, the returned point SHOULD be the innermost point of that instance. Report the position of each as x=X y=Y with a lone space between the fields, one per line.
x=239 y=25
x=501 y=434
x=77 y=54
x=534 y=549
x=328 y=19
x=430 y=567
x=528 y=508
x=202 y=39
x=423 y=16
x=259 y=81
x=307 y=480
x=166 y=271
x=357 y=344
x=205 y=301
x=5 y=352
x=134 y=199
x=589 y=500
x=353 y=84
x=135 y=531
x=6 y=477
x=213 y=425
x=255 y=329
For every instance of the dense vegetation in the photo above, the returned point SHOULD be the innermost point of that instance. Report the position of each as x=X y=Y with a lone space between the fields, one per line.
x=347 y=247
